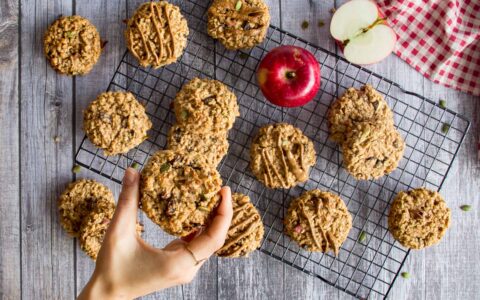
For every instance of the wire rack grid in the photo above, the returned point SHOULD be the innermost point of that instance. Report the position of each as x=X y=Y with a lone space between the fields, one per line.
x=363 y=269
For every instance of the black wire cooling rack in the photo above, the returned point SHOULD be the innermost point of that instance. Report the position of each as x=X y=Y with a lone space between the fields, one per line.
x=433 y=136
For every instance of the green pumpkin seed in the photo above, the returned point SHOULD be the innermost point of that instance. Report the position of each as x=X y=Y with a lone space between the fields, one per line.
x=165 y=167
x=238 y=5
x=76 y=169
x=442 y=103
x=405 y=275
x=305 y=25
x=445 y=128
x=362 y=237
x=136 y=166
x=204 y=209
x=466 y=207
x=184 y=114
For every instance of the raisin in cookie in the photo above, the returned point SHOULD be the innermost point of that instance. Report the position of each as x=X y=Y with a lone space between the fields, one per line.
x=418 y=218
x=281 y=156
x=206 y=105
x=79 y=199
x=211 y=146
x=156 y=34
x=246 y=230
x=238 y=24
x=72 y=45
x=318 y=221
x=179 y=191
x=94 y=227
x=372 y=150
x=355 y=106
x=116 y=122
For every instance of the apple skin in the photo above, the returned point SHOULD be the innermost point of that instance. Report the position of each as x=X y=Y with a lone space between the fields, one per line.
x=289 y=76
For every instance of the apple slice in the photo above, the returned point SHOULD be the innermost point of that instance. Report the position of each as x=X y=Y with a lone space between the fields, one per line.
x=363 y=35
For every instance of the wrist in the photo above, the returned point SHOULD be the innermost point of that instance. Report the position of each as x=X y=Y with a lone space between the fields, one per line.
x=99 y=288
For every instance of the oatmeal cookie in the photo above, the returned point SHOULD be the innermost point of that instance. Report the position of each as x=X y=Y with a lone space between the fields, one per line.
x=418 y=218
x=94 y=227
x=79 y=199
x=246 y=230
x=116 y=122
x=318 y=221
x=72 y=45
x=355 y=106
x=238 y=24
x=372 y=150
x=179 y=191
x=212 y=146
x=281 y=156
x=156 y=34
x=206 y=105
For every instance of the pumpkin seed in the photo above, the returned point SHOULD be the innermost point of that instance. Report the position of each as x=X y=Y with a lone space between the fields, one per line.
x=466 y=207
x=238 y=5
x=445 y=128
x=442 y=103
x=136 y=166
x=405 y=275
x=165 y=167
x=76 y=169
x=305 y=25
x=362 y=237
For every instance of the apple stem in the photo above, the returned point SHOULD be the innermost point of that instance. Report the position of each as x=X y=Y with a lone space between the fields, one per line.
x=291 y=74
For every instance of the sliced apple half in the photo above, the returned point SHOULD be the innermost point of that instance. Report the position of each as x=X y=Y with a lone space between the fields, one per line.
x=362 y=33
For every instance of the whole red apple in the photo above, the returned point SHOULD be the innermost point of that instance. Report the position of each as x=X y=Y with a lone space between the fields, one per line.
x=289 y=76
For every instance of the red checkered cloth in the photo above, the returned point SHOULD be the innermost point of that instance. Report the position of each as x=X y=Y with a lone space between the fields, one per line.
x=439 y=38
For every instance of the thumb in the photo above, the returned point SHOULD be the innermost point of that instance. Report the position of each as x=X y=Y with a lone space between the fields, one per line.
x=125 y=217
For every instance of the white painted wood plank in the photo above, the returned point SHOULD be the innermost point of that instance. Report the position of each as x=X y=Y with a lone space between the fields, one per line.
x=107 y=16
x=10 y=284
x=45 y=112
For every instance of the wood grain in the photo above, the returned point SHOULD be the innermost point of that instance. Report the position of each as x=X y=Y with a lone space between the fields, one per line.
x=10 y=275
x=45 y=113
x=39 y=261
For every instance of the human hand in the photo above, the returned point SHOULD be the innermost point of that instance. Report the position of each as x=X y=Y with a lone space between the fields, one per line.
x=128 y=267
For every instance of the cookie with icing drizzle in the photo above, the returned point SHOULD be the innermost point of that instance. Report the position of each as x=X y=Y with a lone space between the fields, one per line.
x=246 y=230
x=281 y=156
x=318 y=221
x=372 y=150
x=157 y=34
x=238 y=24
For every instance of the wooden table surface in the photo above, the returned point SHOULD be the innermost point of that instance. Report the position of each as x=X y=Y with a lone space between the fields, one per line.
x=39 y=261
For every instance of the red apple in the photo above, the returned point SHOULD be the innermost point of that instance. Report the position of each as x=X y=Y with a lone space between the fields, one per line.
x=362 y=32
x=289 y=76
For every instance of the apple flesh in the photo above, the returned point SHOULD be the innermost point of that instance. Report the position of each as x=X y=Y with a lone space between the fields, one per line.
x=362 y=33
x=289 y=76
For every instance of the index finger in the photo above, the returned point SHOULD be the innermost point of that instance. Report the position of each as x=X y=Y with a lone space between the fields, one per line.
x=213 y=238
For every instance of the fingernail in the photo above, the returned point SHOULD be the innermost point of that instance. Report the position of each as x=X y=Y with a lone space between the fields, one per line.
x=130 y=176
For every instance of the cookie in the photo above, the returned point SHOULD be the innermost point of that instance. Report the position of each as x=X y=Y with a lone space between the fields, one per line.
x=372 y=150
x=356 y=106
x=179 y=191
x=318 y=221
x=246 y=230
x=156 y=34
x=94 y=227
x=78 y=200
x=418 y=218
x=72 y=45
x=281 y=156
x=238 y=24
x=211 y=146
x=116 y=122
x=206 y=105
